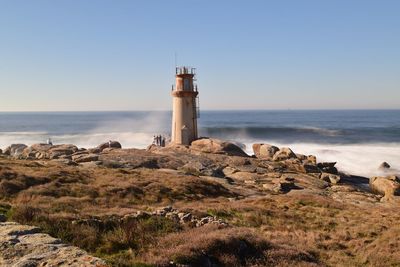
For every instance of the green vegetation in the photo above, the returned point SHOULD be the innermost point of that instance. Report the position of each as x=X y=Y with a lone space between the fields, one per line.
x=113 y=241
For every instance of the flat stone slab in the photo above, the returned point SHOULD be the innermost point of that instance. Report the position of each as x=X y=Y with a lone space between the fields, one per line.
x=23 y=245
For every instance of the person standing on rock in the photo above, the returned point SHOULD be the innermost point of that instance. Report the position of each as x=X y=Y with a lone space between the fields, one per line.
x=49 y=142
x=163 y=141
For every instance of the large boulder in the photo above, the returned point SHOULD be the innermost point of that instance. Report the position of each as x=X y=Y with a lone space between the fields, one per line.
x=197 y=168
x=80 y=158
x=264 y=151
x=47 y=151
x=40 y=147
x=36 y=151
x=388 y=186
x=284 y=153
x=110 y=144
x=57 y=151
x=215 y=146
x=15 y=150
x=301 y=167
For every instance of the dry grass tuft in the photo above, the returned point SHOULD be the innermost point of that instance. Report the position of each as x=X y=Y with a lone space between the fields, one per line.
x=210 y=246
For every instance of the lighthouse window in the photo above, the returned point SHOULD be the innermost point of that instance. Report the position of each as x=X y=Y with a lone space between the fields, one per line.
x=186 y=85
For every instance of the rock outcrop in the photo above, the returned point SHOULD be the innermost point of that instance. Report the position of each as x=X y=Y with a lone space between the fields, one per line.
x=388 y=186
x=272 y=153
x=15 y=150
x=284 y=153
x=198 y=168
x=178 y=216
x=46 y=151
x=211 y=183
x=22 y=245
x=215 y=146
x=330 y=178
x=110 y=144
x=265 y=151
x=85 y=158
x=328 y=167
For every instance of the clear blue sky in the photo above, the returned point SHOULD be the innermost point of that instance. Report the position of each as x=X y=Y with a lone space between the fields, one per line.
x=119 y=55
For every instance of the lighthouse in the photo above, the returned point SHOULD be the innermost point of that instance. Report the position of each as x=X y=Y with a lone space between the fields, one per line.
x=185 y=109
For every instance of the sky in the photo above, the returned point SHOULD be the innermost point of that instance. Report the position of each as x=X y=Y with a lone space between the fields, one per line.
x=74 y=55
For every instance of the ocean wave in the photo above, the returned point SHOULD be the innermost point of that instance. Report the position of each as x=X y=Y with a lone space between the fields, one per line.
x=322 y=131
x=271 y=131
x=290 y=134
x=361 y=159
x=262 y=129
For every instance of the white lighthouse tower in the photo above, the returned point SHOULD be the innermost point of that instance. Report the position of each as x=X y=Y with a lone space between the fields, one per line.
x=185 y=107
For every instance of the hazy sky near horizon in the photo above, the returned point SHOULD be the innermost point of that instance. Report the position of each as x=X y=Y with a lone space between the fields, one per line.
x=119 y=55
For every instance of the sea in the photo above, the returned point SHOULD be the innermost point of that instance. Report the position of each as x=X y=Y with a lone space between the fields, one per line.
x=358 y=140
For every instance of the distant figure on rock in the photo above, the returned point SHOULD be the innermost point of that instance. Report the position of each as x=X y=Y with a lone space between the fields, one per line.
x=49 y=142
x=163 y=141
x=159 y=140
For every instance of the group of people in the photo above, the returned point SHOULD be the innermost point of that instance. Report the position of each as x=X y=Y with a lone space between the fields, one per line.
x=159 y=140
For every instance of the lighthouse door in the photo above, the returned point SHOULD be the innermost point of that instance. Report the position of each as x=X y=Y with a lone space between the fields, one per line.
x=185 y=135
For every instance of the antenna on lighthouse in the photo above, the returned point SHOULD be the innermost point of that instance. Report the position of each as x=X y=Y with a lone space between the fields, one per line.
x=176 y=60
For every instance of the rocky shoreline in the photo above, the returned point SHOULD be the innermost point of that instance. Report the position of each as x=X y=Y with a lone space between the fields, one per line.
x=278 y=159
x=222 y=171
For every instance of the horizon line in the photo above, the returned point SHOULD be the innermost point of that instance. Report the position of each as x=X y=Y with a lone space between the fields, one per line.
x=170 y=110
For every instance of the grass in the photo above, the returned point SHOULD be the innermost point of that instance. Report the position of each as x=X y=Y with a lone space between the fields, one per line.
x=227 y=247
x=285 y=230
x=4 y=208
x=127 y=239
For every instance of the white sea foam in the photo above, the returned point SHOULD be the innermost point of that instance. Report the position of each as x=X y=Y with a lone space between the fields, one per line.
x=357 y=159
x=86 y=140
x=132 y=132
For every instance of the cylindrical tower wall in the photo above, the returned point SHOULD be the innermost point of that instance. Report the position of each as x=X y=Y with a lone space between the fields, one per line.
x=184 y=117
x=184 y=82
